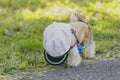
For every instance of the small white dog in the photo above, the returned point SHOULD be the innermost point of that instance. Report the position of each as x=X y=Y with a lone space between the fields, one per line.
x=65 y=41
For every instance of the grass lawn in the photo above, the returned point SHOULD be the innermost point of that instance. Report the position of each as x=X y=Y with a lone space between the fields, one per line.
x=22 y=23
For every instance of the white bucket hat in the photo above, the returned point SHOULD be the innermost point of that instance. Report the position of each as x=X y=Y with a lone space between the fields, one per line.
x=57 y=42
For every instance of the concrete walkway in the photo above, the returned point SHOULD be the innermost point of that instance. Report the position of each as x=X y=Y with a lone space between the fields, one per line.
x=95 y=70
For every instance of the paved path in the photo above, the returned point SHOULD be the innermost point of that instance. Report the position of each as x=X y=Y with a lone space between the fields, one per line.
x=97 y=70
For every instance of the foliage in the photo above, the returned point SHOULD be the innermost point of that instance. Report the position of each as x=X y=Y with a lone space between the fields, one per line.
x=25 y=20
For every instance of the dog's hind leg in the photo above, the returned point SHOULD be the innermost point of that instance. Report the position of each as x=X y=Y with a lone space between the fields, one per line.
x=90 y=50
x=90 y=45
x=74 y=59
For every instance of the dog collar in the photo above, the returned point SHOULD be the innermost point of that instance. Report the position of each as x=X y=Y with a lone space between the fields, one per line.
x=79 y=47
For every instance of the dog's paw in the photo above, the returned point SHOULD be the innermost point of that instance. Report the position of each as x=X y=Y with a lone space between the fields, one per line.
x=75 y=64
x=71 y=66
x=89 y=57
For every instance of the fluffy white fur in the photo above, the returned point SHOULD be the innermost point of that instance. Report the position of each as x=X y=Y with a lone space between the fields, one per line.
x=83 y=34
x=74 y=59
x=90 y=50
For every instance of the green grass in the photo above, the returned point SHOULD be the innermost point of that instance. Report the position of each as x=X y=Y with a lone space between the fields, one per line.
x=25 y=20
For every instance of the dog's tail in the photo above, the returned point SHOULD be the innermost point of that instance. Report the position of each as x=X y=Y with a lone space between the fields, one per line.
x=77 y=17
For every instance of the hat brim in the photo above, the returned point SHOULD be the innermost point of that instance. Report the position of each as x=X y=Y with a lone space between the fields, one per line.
x=55 y=61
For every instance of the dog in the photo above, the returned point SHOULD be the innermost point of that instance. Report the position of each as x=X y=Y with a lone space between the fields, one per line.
x=84 y=35
x=64 y=41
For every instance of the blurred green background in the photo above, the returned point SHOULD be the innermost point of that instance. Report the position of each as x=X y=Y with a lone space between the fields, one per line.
x=22 y=23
